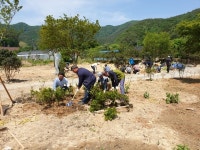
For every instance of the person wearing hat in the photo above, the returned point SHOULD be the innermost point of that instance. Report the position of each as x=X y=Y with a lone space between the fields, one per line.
x=60 y=81
x=87 y=79
x=103 y=81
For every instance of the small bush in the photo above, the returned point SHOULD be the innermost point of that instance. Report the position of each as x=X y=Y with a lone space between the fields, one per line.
x=96 y=105
x=110 y=114
x=127 y=87
x=59 y=94
x=181 y=147
x=102 y=100
x=146 y=95
x=48 y=95
x=44 y=96
x=172 y=98
x=10 y=63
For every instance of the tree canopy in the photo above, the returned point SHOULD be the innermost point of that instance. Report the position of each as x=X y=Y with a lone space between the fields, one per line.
x=157 y=44
x=8 y=9
x=190 y=30
x=71 y=34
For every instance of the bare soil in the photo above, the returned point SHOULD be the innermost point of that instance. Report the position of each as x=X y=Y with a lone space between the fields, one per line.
x=150 y=125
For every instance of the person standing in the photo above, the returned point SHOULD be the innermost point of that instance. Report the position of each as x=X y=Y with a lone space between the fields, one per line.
x=87 y=79
x=131 y=62
x=61 y=82
x=117 y=77
x=168 y=63
x=57 y=59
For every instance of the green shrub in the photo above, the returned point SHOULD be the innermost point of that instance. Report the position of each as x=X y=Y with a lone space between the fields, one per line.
x=96 y=105
x=44 y=96
x=146 y=95
x=181 y=147
x=48 y=95
x=59 y=94
x=110 y=114
x=102 y=100
x=172 y=98
x=10 y=63
x=127 y=87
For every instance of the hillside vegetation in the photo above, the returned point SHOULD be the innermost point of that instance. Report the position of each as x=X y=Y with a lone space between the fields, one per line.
x=114 y=34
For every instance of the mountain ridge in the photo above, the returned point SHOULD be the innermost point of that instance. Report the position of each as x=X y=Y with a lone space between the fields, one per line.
x=114 y=34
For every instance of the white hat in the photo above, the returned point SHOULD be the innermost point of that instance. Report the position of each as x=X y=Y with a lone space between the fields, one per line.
x=99 y=74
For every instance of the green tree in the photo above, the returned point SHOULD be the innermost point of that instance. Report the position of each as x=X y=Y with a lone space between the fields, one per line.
x=8 y=9
x=157 y=44
x=11 y=38
x=72 y=34
x=177 y=47
x=190 y=30
x=10 y=63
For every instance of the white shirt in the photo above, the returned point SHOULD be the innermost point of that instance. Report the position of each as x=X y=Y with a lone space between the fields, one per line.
x=62 y=83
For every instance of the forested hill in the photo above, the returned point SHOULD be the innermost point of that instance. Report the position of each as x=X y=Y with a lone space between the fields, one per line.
x=28 y=34
x=108 y=34
x=112 y=34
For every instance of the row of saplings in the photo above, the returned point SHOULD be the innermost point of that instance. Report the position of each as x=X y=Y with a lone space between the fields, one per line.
x=107 y=101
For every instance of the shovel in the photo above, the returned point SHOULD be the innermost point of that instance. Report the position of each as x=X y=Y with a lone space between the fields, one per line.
x=7 y=91
x=70 y=102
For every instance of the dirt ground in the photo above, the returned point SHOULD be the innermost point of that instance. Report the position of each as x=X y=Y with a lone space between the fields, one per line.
x=150 y=125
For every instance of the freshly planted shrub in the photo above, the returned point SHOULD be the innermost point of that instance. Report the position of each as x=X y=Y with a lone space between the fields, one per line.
x=181 y=147
x=44 y=96
x=96 y=105
x=110 y=114
x=172 y=98
x=48 y=95
x=101 y=100
x=127 y=87
x=146 y=95
x=150 y=72
x=59 y=94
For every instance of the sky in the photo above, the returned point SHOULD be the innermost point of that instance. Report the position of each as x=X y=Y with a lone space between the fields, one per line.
x=107 y=12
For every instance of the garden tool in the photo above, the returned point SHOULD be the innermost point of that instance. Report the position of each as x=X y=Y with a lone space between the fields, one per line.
x=7 y=91
x=70 y=102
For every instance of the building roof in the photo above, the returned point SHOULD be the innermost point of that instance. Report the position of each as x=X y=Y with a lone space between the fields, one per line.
x=34 y=52
x=10 y=48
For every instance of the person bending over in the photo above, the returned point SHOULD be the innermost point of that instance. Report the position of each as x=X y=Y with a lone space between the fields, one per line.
x=117 y=77
x=103 y=81
x=87 y=79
